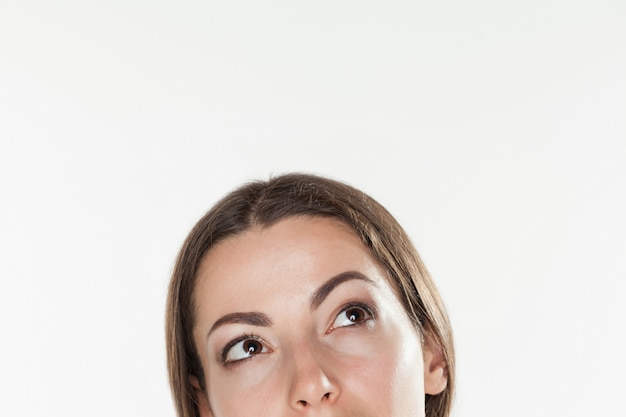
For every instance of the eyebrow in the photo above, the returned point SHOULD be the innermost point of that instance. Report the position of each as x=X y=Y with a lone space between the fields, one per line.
x=322 y=292
x=255 y=318
x=252 y=318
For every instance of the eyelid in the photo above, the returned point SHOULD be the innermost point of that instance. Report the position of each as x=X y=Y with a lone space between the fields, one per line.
x=367 y=308
x=222 y=357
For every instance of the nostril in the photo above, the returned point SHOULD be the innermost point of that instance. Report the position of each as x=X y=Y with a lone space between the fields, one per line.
x=305 y=404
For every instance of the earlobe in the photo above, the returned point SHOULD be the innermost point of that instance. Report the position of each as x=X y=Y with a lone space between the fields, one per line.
x=200 y=398
x=435 y=369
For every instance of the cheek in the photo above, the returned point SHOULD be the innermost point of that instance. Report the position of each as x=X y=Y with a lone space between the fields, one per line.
x=407 y=381
x=246 y=390
x=387 y=376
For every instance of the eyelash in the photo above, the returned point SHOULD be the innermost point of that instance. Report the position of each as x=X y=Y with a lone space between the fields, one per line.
x=368 y=310
x=233 y=343
x=370 y=314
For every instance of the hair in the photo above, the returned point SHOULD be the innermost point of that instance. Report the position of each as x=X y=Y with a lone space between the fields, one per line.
x=264 y=203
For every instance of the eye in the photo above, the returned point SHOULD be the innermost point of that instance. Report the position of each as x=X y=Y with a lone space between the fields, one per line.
x=352 y=315
x=243 y=348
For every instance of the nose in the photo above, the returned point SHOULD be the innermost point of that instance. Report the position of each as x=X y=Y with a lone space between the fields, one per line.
x=311 y=384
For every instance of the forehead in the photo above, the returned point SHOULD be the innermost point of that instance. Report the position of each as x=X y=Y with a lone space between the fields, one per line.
x=296 y=254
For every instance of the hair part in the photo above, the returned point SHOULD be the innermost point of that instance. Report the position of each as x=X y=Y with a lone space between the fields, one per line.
x=264 y=203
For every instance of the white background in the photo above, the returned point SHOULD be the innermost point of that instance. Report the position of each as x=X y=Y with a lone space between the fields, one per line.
x=494 y=130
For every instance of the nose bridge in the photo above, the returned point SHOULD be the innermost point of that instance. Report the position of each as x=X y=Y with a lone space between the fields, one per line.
x=311 y=382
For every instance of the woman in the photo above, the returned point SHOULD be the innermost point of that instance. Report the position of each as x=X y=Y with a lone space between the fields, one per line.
x=303 y=296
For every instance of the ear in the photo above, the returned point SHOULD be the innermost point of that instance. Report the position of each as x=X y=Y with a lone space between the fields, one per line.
x=435 y=367
x=200 y=398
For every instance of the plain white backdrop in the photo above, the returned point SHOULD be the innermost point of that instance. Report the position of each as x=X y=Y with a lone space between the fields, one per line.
x=493 y=130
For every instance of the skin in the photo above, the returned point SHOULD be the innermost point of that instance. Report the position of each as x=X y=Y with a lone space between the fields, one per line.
x=325 y=333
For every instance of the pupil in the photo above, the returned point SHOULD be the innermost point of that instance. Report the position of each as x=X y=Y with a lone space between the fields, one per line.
x=354 y=315
x=251 y=346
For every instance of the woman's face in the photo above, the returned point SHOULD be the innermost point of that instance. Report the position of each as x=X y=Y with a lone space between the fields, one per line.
x=299 y=318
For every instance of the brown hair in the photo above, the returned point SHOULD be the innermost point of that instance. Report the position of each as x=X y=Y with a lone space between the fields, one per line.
x=263 y=203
